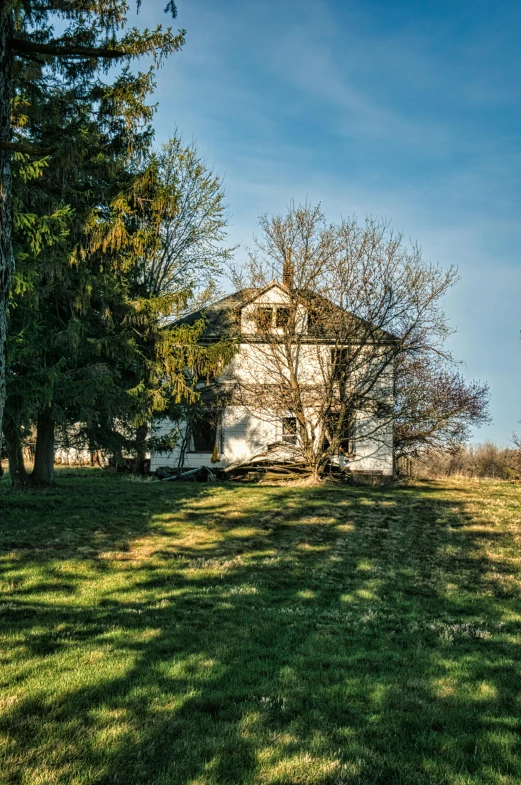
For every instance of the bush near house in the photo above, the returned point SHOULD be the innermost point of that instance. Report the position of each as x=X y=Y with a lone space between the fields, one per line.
x=173 y=633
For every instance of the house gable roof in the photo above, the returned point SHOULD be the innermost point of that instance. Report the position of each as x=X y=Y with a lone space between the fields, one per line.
x=223 y=318
x=256 y=293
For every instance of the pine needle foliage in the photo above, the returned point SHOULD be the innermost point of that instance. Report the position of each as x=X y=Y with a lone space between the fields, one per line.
x=90 y=341
x=73 y=116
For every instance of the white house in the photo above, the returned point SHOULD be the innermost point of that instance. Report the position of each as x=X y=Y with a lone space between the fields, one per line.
x=247 y=421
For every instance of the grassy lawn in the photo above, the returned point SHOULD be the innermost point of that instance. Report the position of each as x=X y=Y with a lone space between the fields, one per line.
x=202 y=635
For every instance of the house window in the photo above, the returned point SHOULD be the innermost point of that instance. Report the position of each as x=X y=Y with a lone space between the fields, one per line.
x=282 y=317
x=315 y=322
x=289 y=430
x=339 y=361
x=264 y=318
x=342 y=432
x=383 y=411
x=203 y=435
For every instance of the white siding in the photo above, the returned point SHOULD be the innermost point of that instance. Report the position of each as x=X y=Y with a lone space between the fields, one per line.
x=263 y=363
x=244 y=434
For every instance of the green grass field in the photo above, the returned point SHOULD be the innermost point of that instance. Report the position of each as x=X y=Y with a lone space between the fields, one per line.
x=166 y=633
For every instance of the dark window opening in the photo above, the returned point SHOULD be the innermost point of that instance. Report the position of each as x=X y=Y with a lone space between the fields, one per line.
x=322 y=319
x=204 y=435
x=315 y=321
x=282 y=317
x=264 y=318
x=341 y=432
x=289 y=430
x=383 y=411
x=339 y=362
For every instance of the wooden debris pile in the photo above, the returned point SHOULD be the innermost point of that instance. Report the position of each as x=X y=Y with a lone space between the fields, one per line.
x=199 y=474
x=267 y=466
x=264 y=469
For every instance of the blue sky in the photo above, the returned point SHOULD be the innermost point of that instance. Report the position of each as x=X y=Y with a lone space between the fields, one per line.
x=400 y=109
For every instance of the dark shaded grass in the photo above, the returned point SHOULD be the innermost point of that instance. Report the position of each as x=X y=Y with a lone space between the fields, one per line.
x=168 y=633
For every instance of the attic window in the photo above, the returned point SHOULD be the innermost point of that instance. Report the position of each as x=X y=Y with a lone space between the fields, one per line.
x=283 y=316
x=383 y=411
x=289 y=430
x=264 y=318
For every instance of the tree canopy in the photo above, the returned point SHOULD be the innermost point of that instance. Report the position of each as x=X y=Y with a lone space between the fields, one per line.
x=58 y=90
x=92 y=340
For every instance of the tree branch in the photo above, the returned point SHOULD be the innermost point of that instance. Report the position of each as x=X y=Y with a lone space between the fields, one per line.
x=26 y=149
x=23 y=46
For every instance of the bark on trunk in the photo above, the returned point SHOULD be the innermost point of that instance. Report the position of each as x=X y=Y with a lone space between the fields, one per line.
x=316 y=476
x=117 y=458
x=15 y=456
x=17 y=472
x=6 y=248
x=141 y=449
x=43 y=472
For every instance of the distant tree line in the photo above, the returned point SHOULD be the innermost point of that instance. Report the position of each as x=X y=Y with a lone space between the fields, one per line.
x=479 y=461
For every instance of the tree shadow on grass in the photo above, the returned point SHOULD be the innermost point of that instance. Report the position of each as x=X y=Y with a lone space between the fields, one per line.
x=314 y=635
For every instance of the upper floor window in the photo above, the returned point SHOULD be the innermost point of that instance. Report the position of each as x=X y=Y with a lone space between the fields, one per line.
x=339 y=362
x=264 y=318
x=317 y=320
x=282 y=317
x=267 y=317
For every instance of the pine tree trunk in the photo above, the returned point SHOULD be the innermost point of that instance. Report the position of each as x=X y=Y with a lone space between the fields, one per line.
x=141 y=449
x=17 y=471
x=117 y=457
x=6 y=248
x=15 y=456
x=43 y=472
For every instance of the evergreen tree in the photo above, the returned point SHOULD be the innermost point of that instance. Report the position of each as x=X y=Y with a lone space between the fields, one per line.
x=42 y=71
x=166 y=232
x=91 y=340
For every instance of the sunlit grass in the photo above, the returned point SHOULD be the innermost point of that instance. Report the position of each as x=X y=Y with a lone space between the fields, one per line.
x=203 y=635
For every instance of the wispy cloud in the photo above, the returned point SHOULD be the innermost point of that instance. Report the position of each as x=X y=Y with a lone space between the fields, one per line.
x=406 y=110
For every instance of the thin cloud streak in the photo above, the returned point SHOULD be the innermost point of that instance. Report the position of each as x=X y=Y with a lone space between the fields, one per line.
x=406 y=110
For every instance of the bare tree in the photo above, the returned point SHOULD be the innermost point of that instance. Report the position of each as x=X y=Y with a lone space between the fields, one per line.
x=181 y=218
x=516 y=452
x=360 y=306
x=434 y=405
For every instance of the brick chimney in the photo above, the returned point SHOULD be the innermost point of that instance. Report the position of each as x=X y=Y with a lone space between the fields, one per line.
x=288 y=271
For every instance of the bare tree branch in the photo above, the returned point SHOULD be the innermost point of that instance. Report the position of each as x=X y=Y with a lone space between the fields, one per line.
x=362 y=317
